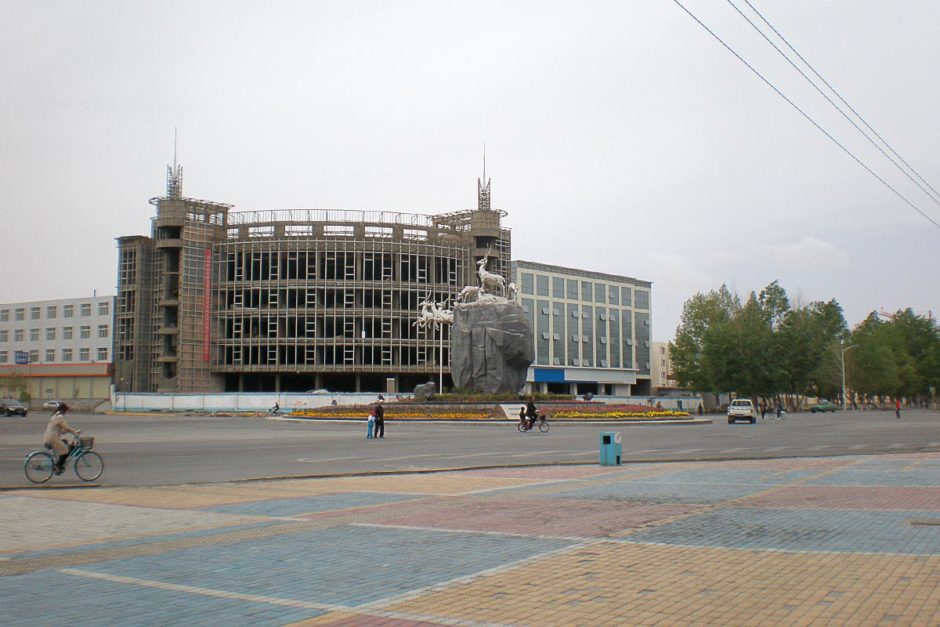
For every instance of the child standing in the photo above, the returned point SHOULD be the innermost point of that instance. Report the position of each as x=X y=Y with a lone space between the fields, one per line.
x=370 y=424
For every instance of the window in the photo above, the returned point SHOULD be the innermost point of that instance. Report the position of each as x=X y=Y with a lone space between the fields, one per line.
x=527 y=283
x=84 y=332
x=50 y=333
x=34 y=313
x=33 y=356
x=51 y=311
x=4 y=315
x=18 y=335
x=3 y=357
x=20 y=313
x=104 y=309
x=587 y=291
x=86 y=309
x=66 y=354
x=50 y=355
x=67 y=333
x=541 y=285
x=572 y=289
x=84 y=354
x=68 y=311
x=558 y=287
x=102 y=354
x=34 y=335
x=103 y=330
x=4 y=335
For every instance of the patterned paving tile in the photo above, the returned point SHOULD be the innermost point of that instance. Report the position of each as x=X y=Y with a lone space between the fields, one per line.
x=305 y=505
x=431 y=483
x=881 y=475
x=802 y=530
x=567 y=518
x=554 y=473
x=28 y=524
x=345 y=566
x=849 y=497
x=659 y=491
x=55 y=598
x=626 y=584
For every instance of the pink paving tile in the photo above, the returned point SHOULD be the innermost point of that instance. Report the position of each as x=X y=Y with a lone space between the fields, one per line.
x=875 y=498
x=543 y=472
x=787 y=464
x=564 y=517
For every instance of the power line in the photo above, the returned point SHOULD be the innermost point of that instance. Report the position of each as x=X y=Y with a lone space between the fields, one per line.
x=805 y=115
x=934 y=196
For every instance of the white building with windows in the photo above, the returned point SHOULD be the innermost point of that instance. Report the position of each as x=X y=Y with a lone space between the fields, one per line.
x=57 y=349
x=592 y=330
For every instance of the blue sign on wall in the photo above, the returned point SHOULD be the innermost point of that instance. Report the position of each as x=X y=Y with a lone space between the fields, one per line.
x=21 y=358
x=551 y=375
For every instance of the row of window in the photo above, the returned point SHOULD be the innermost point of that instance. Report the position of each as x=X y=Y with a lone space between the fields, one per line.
x=585 y=291
x=65 y=355
x=84 y=333
x=52 y=312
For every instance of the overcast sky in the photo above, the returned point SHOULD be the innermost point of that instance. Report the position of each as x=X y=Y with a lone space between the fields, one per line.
x=620 y=136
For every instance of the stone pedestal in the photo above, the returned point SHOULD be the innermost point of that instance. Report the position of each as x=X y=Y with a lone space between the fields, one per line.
x=491 y=347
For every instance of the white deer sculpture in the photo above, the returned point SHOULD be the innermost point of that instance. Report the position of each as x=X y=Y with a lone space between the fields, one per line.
x=488 y=280
x=468 y=294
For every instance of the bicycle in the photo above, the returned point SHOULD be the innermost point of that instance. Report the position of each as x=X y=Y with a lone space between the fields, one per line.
x=39 y=466
x=527 y=426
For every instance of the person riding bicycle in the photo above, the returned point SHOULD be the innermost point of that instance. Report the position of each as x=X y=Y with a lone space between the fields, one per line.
x=531 y=413
x=276 y=409
x=52 y=438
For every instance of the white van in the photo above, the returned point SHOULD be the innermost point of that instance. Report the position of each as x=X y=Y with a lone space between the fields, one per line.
x=741 y=409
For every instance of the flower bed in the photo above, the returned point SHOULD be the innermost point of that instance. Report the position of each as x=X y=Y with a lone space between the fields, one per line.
x=603 y=411
x=409 y=412
x=556 y=411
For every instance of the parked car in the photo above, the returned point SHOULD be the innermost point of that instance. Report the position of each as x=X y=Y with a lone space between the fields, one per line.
x=741 y=409
x=823 y=406
x=52 y=404
x=10 y=407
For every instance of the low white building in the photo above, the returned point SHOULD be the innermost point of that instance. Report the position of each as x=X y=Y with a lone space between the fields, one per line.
x=591 y=330
x=57 y=349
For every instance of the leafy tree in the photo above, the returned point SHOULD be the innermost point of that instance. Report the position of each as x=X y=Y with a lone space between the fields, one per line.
x=700 y=314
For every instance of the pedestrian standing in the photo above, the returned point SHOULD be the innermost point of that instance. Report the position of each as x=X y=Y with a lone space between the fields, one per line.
x=380 y=417
x=897 y=408
x=763 y=410
x=370 y=424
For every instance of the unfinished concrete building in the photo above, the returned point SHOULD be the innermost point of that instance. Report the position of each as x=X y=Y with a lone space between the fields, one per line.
x=293 y=300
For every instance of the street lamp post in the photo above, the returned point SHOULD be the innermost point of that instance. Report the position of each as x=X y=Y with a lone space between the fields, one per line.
x=844 y=349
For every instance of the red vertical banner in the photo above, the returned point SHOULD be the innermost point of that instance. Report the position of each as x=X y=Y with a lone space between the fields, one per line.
x=206 y=303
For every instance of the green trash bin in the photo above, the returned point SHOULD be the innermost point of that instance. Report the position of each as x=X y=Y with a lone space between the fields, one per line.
x=610 y=448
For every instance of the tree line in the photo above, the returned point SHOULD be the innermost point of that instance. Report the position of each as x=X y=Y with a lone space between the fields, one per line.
x=765 y=348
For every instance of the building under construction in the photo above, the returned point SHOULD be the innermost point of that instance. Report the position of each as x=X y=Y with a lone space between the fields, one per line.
x=218 y=300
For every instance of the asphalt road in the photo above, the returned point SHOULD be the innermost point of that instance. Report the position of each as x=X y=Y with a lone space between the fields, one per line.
x=169 y=450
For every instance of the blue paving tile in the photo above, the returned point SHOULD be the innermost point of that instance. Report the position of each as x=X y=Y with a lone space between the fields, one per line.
x=881 y=475
x=305 y=505
x=801 y=530
x=345 y=566
x=56 y=598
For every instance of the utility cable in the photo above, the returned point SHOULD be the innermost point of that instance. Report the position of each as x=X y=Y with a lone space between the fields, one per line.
x=808 y=118
x=933 y=194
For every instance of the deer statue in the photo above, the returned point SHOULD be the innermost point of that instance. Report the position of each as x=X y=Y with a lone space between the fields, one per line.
x=488 y=280
x=468 y=294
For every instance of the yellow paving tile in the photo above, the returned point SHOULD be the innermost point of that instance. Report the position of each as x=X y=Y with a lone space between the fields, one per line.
x=432 y=484
x=637 y=584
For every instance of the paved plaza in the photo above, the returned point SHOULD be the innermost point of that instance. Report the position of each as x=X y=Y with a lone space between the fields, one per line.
x=845 y=540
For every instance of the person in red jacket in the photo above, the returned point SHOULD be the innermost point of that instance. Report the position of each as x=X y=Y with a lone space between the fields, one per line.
x=897 y=408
